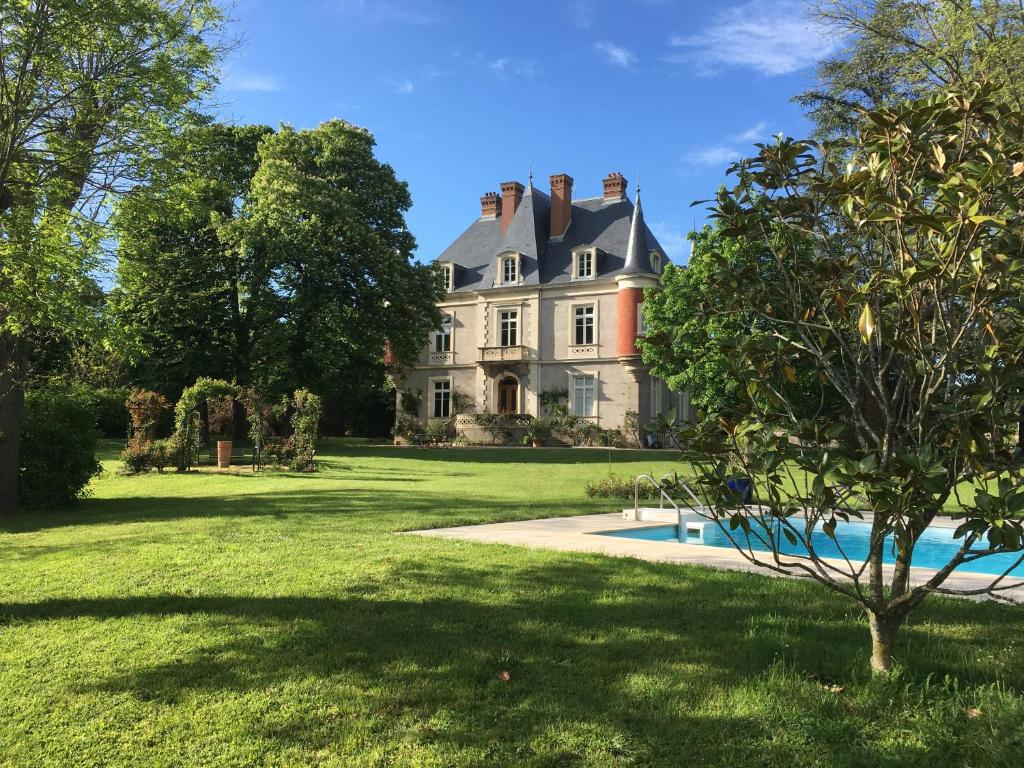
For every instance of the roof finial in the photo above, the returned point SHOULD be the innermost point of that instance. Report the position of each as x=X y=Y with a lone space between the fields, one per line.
x=529 y=176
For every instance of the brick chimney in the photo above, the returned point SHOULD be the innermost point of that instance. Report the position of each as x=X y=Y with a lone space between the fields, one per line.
x=511 y=196
x=614 y=186
x=561 y=203
x=490 y=205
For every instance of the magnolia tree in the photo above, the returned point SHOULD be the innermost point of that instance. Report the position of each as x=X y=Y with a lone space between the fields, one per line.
x=900 y=283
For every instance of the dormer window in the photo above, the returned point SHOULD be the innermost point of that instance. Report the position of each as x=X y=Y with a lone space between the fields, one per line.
x=656 y=262
x=509 y=270
x=584 y=264
x=448 y=270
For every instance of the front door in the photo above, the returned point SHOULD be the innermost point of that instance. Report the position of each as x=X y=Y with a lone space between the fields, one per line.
x=508 y=395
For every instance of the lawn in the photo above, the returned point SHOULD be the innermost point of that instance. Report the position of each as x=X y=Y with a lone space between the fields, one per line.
x=280 y=620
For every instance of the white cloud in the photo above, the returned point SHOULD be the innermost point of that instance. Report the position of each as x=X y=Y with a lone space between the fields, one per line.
x=676 y=246
x=251 y=82
x=505 y=67
x=773 y=38
x=616 y=55
x=402 y=87
x=716 y=155
x=754 y=133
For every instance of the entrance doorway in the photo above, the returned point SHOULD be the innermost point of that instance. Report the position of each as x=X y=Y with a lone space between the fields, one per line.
x=508 y=395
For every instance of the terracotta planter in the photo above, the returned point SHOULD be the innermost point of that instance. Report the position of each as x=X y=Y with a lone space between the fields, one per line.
x=223 y=453
x=537 y=443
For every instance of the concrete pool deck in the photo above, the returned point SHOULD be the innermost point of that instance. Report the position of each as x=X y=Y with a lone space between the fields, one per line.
x=577 y=534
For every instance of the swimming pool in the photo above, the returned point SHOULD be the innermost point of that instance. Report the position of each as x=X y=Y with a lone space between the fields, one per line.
x=934 y=549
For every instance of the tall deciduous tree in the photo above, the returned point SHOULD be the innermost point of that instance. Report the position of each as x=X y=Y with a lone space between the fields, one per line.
x=180 y=305
x=325 y=227
x=89 y=91
x=901 y=275
x=897 y=50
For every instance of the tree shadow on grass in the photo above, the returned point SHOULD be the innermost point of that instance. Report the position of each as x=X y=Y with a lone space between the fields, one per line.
x=604 y=655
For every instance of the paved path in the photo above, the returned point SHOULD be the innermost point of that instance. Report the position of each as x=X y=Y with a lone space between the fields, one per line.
x=576 y=534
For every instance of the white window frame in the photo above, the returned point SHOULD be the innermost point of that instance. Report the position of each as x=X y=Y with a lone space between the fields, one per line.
x=593 y=394
x=591 y=253
x=514 y=258
x=447 y=324
x=516 y=312
x=448 y=270
x=641 y=326
x=577 y=309
x=432 y=389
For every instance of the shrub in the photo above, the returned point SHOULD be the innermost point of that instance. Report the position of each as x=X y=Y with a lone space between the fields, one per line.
x=500 y=425
x=279 y=451
x=439 y=429
x=584 y=432
x=305 y=424
x=615 y=487
x=611 y=438
x=140 y=455
x=407 y=426
x=58 y=448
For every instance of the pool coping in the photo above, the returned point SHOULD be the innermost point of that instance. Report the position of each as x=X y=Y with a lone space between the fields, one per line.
x=580 y=533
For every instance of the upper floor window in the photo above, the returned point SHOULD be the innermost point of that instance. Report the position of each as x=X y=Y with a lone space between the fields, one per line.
x=449 y=277
x=583 y=395
x=641 y=326
x=509 y=270
x=509 y=322
x=656 y=262
x=583 y=326
x=443 y=336
x=584 y=264
x=442 y=399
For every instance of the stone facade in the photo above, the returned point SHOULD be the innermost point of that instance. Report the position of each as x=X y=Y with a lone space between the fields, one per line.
x=557 y=324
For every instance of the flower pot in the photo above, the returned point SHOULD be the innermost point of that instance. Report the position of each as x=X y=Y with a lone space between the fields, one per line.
x=537 y=443
x=743 y=487
x=223 y=453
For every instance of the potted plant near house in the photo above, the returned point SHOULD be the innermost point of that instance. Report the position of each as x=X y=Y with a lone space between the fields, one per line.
x=538 y=431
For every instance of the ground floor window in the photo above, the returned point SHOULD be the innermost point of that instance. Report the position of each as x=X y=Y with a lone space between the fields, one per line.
x=442 y=399
x=583 y=395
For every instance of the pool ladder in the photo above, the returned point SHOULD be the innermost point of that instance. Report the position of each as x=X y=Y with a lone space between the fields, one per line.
x=685 y=522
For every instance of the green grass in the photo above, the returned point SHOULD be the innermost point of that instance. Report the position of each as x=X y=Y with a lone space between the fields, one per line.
x=278 y=620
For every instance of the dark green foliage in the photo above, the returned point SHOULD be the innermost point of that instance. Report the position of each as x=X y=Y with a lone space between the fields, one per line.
x=901 y=272
x=305 y=429
x=179 y=305
x=139 y=456
x=58 y=448
x=617 y=487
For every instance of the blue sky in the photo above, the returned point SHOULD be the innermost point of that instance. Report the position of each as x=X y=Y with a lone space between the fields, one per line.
x=464 y=95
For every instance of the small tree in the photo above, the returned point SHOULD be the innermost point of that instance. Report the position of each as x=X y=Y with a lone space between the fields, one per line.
x=899 y=255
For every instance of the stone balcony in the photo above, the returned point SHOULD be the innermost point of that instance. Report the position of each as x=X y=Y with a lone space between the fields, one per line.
x=503 y=354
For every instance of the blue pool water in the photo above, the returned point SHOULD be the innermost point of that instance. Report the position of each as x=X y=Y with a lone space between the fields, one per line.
x=934 y=549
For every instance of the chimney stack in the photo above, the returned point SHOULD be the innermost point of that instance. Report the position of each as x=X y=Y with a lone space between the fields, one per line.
x=614 y=186
x=561 y=203
x=490 y=205
x=511 y=196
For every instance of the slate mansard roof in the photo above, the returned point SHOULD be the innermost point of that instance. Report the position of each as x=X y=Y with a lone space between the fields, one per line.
x=596 y=222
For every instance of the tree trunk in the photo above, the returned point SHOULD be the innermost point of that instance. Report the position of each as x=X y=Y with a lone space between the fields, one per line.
x=12 y=403
x=883 y=640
